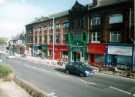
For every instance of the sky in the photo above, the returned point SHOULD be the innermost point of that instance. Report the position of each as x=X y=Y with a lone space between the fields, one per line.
x=15 y=14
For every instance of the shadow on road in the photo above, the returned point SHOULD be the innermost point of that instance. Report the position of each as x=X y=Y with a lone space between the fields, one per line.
x=64 y=72
x=60 y=70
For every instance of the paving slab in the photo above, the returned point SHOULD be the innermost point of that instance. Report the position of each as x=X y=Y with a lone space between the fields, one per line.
x=10 y=89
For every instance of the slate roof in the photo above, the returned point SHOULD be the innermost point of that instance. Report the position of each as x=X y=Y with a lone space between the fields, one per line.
x=41 y=19
x=102 y=3
x=59 y=14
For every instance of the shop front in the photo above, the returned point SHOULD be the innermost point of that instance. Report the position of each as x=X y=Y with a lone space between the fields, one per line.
x=36 y=50
x=120 y=56
x=77 y=53
x=60 y=52
x=97 y=54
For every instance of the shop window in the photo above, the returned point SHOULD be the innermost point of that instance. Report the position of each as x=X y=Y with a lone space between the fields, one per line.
x=95 y=37
x=115 y=37
x=124 y=60
x=99 y=58
x=95 y=21
x=116 y=18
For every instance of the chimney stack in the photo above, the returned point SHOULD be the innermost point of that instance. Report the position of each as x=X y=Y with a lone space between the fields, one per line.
x=95 y=2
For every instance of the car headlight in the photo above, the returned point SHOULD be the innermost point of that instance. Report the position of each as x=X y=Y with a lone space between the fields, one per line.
x=87 y=72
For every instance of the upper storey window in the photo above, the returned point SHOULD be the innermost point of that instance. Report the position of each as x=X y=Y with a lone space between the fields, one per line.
x=66 y=24
x=58 y=26
x=116 y=18
x=95 y=21
x=115 y=37
x=96 y=37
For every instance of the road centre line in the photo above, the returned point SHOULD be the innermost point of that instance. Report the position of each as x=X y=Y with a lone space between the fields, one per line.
x=120 y=90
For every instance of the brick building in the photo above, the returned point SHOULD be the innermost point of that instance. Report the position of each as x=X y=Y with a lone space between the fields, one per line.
x=100 y=33
x=40 y=36
x=110 y=33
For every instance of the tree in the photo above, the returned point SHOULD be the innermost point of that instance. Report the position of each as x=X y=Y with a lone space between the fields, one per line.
x=3 y=40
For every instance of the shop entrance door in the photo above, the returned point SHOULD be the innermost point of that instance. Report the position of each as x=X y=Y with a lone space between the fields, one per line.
x=76 y=56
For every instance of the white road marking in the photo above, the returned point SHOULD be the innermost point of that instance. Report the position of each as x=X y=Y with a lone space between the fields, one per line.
x=134 y=95
x=120 y=90
x=86 y=82
x=52 y=94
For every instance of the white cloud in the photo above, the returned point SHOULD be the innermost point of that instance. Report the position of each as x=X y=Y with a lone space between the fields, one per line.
x=2 y=1
x=14 y=17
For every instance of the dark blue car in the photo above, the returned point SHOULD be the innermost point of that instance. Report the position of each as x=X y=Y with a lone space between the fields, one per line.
x=79 y=68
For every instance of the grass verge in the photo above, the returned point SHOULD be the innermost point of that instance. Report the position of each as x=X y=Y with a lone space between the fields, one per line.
x=5 y=70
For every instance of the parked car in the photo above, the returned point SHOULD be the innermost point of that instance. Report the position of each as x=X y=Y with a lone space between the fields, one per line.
x=79 y=68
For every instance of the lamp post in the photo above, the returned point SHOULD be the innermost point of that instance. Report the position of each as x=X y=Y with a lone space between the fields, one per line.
x=53 y=36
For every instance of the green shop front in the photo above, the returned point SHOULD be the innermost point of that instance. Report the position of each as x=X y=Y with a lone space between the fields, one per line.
x=77 y=53
x=40 y=50
x=77 y=45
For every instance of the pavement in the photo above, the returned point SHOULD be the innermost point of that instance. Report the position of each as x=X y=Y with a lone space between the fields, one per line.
x=44 y=61
x=10 y=89
x=57 y=83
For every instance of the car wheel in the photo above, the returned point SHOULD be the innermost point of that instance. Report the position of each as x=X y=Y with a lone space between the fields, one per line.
x=67 y=72
x=82 y=75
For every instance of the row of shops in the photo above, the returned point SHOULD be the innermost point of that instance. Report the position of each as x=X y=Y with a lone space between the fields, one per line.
x=111 y=55
x=120 y=55
x=60 y=51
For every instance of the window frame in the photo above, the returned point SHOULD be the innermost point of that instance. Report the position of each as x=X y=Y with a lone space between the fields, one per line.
x=57 y=38
x=117 y=36
x=95 y=21
x=112 y=18
x=95 y=36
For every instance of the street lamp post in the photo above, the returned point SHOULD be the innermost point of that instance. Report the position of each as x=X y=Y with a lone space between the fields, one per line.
x=53 y=36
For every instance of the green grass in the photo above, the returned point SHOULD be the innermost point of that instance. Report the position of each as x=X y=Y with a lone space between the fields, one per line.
x=4 y=71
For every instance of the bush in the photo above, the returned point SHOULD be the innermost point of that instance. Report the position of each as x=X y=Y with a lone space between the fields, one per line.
x=4 y=71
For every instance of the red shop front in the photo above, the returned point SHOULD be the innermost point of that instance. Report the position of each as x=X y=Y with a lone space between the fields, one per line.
x=96 y=54
x=58 y=51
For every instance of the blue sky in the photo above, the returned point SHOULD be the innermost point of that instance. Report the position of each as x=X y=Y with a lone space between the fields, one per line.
x=15 y=14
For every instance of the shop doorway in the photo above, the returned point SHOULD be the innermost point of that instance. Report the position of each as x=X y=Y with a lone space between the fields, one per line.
x=76 y=56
